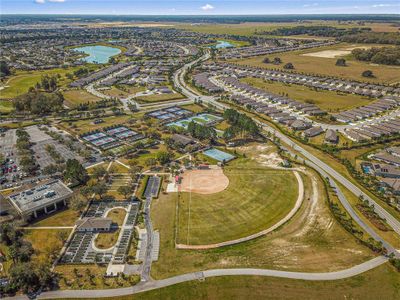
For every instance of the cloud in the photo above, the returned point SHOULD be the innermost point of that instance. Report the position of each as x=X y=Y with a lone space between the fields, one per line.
x=384 y=5
x=207 y=7
x=310 y=5
x=44 y=1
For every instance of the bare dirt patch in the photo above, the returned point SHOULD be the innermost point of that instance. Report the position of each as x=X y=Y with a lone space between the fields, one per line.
x=265 y=155
x=204 y=181
x=334 y=53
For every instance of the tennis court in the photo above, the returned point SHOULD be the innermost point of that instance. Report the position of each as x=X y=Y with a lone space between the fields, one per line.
x=218 y=155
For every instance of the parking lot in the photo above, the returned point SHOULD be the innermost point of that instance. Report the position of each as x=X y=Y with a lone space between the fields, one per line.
x=10 y=171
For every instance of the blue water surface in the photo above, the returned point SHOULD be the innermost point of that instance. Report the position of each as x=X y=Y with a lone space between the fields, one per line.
x=98 y=54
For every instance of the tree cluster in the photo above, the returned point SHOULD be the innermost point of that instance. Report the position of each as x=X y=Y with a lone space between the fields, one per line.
x=241 y=125
x=39 y=102
x=201 y=132
x=379 y=55
x=24 y=275
x=75 y=172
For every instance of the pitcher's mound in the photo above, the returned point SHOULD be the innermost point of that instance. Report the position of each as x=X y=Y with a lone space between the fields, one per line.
x=204 y=181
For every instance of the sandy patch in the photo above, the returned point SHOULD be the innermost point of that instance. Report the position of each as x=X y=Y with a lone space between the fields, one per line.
x=334 y=53
x=266 y=159
x=204 y=181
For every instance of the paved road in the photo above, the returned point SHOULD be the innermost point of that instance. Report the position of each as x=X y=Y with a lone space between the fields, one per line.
x=292 y=212
x=156 y=284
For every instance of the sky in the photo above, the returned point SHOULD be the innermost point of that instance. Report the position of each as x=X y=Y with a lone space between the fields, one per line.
x=196 y=7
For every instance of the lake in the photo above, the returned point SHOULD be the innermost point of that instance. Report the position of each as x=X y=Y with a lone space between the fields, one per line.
x=98 y=54
x=223 y=44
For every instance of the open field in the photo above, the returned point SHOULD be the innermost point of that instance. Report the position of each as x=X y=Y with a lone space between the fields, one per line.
x=326 y=66
x=311 y=241
x=82 y=126
x=46 y=243
x=251 y=28
x=6 y=106
x=380 y=283
x=326 y=100
x=75 y=97
x=255 y=199
x=20 y=83
x=159 y=98
x=119 y=93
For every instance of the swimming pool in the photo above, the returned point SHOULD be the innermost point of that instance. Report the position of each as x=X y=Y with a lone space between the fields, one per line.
x=218 y=155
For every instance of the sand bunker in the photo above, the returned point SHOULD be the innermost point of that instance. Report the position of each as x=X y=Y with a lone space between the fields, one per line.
x=204 y=181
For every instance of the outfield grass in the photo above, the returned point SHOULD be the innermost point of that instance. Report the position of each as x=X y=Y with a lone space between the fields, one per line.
x=326 y=66
x=255 y=199
x=379 y=283
x=326 y=100
x=75 y=97
x=159 y=98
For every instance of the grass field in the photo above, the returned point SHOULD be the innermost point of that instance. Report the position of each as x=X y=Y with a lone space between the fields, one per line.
x=118 y=93
x=20 y=83
x=75 y=97
x=312 y=241
x=255 y=199
x=6 y=106
x=326 y=100
x=159 y=98
x=46 y=243
x=66 y=217
x=82 y=126
x=326 y=66
x=379 y=283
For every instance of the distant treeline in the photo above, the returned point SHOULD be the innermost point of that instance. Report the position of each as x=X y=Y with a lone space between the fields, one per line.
x=351 y=35
x=37 y=102
x=382 y=55
x=232 y=19
x=326 y=31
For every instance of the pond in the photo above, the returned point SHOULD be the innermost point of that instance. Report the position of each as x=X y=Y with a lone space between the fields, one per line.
x=98 y=54
x=223 y=44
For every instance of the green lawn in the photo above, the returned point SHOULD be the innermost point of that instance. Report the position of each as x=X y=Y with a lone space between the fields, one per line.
x=6 y=106
x=159 y=98
x=75 y=97
x=326 y=100
x=379 y=283
x=255 y=199
x=82 y=126
x=326 y=66
x=20 y=83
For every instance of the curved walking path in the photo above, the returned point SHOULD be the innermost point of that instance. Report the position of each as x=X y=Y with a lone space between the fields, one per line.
x=296 y=207
x=156 y=284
